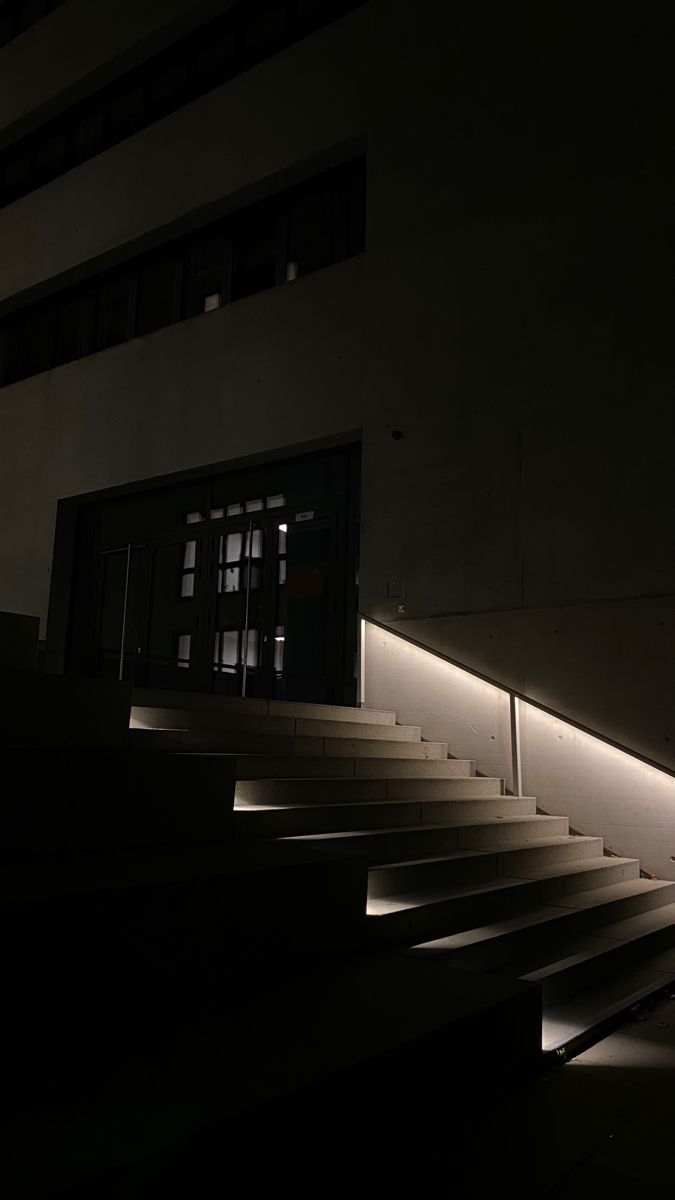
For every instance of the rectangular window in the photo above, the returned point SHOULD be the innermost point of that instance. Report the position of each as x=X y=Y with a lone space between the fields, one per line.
x=157 y=293
x=124 y=109
x=255 y=253
x=325 y=222
x=74 y=327
x=113 y=309
x=37 y=340
x=205 y=270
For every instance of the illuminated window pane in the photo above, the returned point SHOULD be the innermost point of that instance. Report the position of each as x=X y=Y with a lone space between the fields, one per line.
x=254 y=505
x=194 y=518
x=251 y=649
x=229 y=647
x=232 y=576
x=211 y=302
x=279 y=640
x=190 y=556
x=233 y=547
x=187 y=587
x=276 y=501
x=257 y=547
x=216 y=513
x=282 y=539
x=183 y=654
x=234 y=510
x=282 y=570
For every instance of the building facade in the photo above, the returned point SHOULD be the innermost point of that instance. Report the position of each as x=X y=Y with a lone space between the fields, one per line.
x=312 y=307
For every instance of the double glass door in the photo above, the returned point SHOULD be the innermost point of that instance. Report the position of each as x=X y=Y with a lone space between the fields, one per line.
x=245 y=603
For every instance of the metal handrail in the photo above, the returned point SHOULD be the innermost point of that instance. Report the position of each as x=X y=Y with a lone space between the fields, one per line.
x=516 y=695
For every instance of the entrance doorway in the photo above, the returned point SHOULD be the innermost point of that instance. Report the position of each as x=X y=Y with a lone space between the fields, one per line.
x=240 y=583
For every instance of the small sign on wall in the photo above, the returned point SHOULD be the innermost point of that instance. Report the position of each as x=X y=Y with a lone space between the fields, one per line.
x=305 y=516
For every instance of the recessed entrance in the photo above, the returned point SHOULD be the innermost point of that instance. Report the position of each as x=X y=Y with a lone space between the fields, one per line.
x=241 y=582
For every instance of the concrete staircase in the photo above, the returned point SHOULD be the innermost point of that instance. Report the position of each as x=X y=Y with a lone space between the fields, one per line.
x=456 y=869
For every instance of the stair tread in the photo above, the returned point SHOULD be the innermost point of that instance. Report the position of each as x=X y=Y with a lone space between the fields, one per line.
x=159 y=698
x=594 y=1006
x=602 y=942
x=433 y=895
x=554 y=840
x=540 y=915
x=546 y=872
x=528 y=818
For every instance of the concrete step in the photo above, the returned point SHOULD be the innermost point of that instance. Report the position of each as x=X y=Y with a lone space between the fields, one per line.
x=463 y=866
x=312 y=791
x=422 y=915
x=613 y=948
x=252 y=706
x=591 y=1014
x=202 y=720
x=279 y=821
x=493 y=947
x=402 y=844
x=223 y=742
x=315 y=767
x=552 y=887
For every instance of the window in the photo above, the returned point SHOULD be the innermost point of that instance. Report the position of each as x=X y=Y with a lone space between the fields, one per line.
x=187 y=579
x=37 y=340
x=157 y=293
x=204 y=283
x=230 y=43
x=145 y=295
x=113 y=310
x=124 y=109
x=255 y=253
x=74 y=327
x=313 y=229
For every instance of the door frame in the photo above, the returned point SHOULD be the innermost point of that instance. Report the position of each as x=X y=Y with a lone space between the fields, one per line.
x=71 y=510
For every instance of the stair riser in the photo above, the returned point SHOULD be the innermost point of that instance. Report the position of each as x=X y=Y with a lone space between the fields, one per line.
x=511 y=862
x=584 y=881
x=286 y=726
x=404 y=880
x=421 y=924
x=494 y=953
x=345 y=791
x=621 y=957
x=487 y=836
x=217 y=742
x=251 y=706
x=332 y=819
x=395 y=846
x=407 y=878
x=284 y=766
x=302 y=819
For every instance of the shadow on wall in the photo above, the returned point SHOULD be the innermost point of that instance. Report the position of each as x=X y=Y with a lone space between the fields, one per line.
x=604 y=791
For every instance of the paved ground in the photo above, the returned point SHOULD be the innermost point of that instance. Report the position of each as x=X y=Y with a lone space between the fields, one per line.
x=603 y=1125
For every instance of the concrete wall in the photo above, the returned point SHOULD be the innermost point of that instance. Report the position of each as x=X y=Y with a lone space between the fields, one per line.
x=514 y=329
x=604 y=792
x=173 y=168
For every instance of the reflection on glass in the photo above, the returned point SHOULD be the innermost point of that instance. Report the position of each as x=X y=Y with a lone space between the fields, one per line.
x=235 y=510
x=252 y=648
x=282 y=570
x=187 y=587
x=233 y=547
x=257 y=544
x=216 y=513
x=277 y=501
x=231 y=579
x=193 y=518
x=189 y=556
x=279 y=642
x=183 y=650
x=254 y=505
